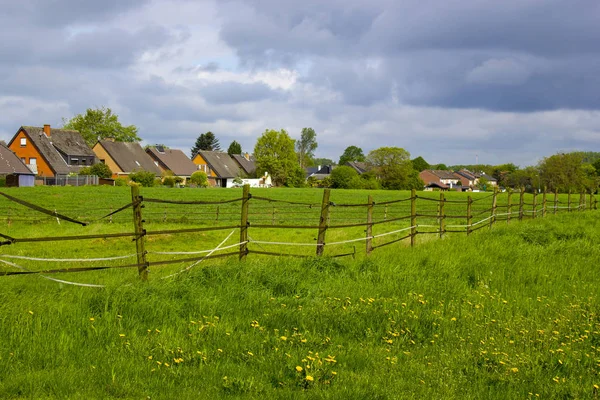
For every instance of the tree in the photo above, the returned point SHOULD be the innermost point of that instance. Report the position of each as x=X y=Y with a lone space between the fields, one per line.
x=322 y=161
x=101 y=170
x=206 y=141
x=199 y=178
x=344 y=177
x=352 y=153
x=234 y=148
x=419 y=164
x=101 y=123
x=306 y=146
x=393 y=167
x=564 y=172
x=274 y=153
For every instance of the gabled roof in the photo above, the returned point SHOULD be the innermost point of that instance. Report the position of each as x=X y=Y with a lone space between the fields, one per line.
x=442 y=174
x=487 y=177
x=68 y=142
x=129 y=156
x=221 y=163
x=248 y=165
x=359 y=166
x=173 y=159
x=467 y=174
x=10 y=163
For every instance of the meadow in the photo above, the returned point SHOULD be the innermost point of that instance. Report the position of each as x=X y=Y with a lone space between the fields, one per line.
x=507 y=312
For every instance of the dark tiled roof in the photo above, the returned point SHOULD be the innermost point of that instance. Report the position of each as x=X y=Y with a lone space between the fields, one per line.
x=360 y=167
x=467 y=174
x=444 y=174
x=173 y=160
x=69 y=142
x=221 y=163
x=130 y=156
x=487 y=177
x=10 y=163
x=249 y=166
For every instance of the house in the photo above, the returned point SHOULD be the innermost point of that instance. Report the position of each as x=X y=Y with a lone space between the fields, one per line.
x=172 y=160
x=322 y=172
x=442 y=179
x=246 y=162
x=471 y=179
x=15 y=170
x=360 y=167
x=220 y=168
x=50 y=152
x=123 y=158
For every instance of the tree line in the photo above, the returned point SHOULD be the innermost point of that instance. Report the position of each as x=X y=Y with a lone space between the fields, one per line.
x=286 y=160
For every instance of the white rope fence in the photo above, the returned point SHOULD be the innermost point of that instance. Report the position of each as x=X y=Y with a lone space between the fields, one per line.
x=197 y=252
x=53 y=279
x=67 y=259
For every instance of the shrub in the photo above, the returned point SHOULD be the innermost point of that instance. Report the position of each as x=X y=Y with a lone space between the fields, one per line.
x=344 y=177
x=169 y=181
x=144 y=178
x=199 y=178
x=120 y=181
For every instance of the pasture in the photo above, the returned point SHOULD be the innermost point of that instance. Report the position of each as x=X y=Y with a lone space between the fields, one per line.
x=507 y=312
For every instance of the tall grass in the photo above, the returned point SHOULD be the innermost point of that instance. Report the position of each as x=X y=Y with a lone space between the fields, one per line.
x=507 y=313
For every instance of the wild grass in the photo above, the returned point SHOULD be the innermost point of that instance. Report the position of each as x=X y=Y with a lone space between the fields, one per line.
x=506 y=313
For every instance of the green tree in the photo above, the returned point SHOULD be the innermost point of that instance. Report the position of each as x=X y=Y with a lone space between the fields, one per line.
x=322 y=161
x=101 y=170
x=419 y=164
x=393 y=167
x=306 y=146
x=274 y=153
x=596 y=166
x=234 y=148
x=344 y=177
x=564 y=172
x=101 y=123
x=352 y=153
x=206 y=141
x=199 y=178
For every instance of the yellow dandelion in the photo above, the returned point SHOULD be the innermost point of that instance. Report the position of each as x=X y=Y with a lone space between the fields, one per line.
x=284 y=338
x=309 y=378
x=453 y=319
x=333 y=373
x=299 y=368
x=514 y=369
x=92 y=319
x=596 y=387
x=121 y=335
x=30 y=312
x=250 y=353
x=220 y=350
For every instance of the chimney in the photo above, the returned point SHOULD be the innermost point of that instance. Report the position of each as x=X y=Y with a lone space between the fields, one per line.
x=47 y=130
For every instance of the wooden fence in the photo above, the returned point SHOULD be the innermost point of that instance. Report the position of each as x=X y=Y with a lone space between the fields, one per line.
x=405 y=219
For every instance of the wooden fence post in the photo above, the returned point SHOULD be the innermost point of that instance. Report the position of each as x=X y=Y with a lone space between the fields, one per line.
x=569 y=201
x=217 y=219
x=325 y=204
x=544 y=202
x=534 y=205
x=509 y=206
x=555 y=201
x=273 y=218
x=442 y=215
x=369 y=231
x=469 y=215
x=521 y=203
x=494 y=205
x=244 y=223
x=591 y=203
x=140 y=232
x=581 y=201
x=413 y=217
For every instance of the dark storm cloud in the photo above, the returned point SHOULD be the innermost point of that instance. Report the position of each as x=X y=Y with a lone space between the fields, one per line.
x=510 y=55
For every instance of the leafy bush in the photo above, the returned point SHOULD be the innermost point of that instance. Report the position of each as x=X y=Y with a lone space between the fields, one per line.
x=168 y=181
x=199 y=178
x=144 y=178
x=120 y=181
x=344 y=177
x=101 y=170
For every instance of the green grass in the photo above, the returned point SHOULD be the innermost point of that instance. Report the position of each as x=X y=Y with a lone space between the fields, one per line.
x=511 y=312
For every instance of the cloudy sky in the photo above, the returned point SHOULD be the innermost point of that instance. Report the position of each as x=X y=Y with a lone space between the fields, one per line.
x=509 y=81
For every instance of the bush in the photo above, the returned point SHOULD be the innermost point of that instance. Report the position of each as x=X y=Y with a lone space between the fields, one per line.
x=168 y=181
x=344 y=177
x=120 y=181
x=199 y=178
x=144 y=178
x=101 y=170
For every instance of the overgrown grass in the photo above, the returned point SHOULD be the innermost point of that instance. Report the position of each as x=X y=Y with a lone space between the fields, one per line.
x=507 y=313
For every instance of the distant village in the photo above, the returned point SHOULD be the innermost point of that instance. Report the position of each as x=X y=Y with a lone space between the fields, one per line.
x=50 y=156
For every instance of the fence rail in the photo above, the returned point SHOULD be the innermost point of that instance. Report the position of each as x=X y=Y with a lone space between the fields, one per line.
x=405 y=219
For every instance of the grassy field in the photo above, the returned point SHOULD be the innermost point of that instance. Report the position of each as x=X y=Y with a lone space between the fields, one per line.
x=511 y=312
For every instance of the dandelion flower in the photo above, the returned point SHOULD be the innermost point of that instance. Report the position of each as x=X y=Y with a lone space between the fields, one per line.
x=514 y=369
x=309 y=378
x=284 y=338
x=121 y=335
x=30 y=312
x=92 y=319
x=299 y=368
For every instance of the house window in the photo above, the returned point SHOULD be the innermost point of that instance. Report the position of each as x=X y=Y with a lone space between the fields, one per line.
x=23 y=142
x=24 y=160
x=32 y=161
x=74 y=161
